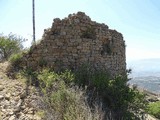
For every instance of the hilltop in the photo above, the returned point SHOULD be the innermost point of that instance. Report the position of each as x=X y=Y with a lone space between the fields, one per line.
x=77 y=71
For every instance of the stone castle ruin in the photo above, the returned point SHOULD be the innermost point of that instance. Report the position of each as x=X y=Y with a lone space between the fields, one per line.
x=78 y=40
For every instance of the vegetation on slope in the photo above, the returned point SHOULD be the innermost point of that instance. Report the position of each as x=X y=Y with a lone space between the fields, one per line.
x=154 y=109
x=9 y=45
x=85 y=93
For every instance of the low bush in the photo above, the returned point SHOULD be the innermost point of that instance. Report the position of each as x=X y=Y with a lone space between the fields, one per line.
x=14 y=66
x=122 y=101
x=88 y=94
x=15 y=58
x=10 y=44
x=65 y=101
x=154 y=109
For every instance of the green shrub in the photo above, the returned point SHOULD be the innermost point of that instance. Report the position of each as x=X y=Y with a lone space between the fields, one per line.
x=154 y=109
x=47 y=79
x=15 y=64
x=123 y=101
x=63 y=101
x=9 y=45
x=89 y=94
x=68 y=77
x=15 y=58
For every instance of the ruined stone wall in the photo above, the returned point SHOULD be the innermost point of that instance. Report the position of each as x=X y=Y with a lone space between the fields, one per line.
x=76 y=40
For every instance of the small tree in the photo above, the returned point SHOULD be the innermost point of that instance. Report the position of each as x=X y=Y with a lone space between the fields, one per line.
x=10 y=44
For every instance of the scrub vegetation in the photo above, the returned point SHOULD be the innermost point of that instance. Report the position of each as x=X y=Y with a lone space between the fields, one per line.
x=82 y=94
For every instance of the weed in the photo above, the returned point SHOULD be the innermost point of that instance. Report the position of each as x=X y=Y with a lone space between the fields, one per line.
x=89 y=33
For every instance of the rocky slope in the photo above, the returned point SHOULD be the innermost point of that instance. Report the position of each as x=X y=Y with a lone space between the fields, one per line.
x=17 y=101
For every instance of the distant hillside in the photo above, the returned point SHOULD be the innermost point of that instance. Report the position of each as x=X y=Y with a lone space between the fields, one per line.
x=145 y=67
x=146 y=74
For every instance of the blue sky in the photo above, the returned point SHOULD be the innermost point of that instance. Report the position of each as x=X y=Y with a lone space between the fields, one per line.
x=137 y=20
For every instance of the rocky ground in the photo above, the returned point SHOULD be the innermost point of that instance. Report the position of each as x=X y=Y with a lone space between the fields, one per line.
x=17 y=101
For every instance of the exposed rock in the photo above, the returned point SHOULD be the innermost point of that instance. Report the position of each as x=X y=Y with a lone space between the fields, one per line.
x=23 y=95
x=15 y=104
x=7 y=96
x=1 y=88
x=1 y=97
x=12 y=117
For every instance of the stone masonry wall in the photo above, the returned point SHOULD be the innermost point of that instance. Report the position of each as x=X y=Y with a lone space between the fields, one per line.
x=77 y=40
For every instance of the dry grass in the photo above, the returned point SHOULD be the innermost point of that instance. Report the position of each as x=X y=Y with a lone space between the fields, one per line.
x=75 y=107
